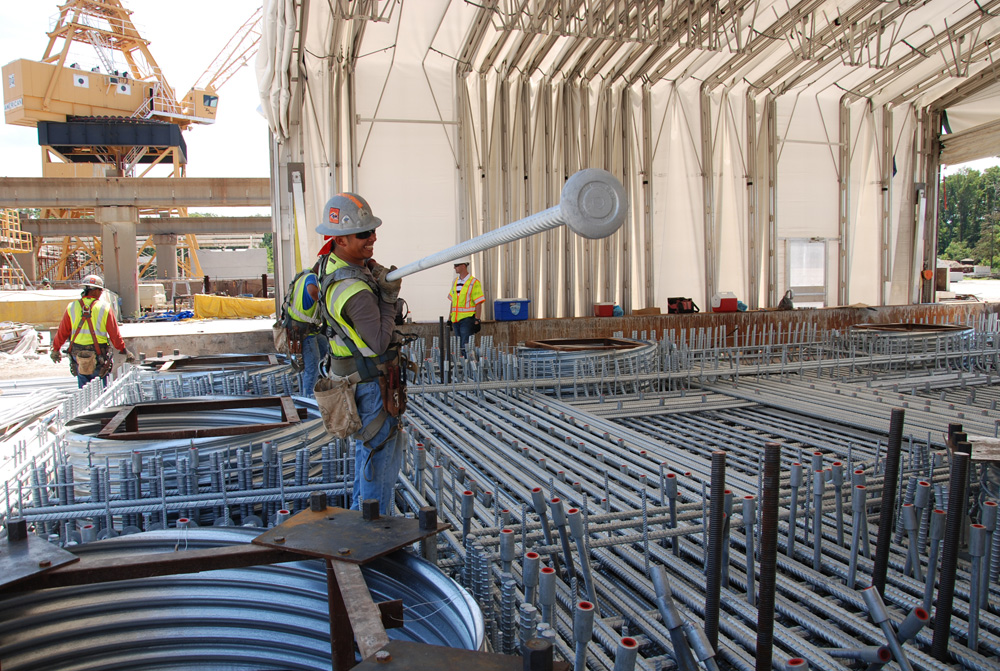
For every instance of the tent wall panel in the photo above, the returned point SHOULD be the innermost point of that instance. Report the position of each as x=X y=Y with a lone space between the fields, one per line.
x=455 y=119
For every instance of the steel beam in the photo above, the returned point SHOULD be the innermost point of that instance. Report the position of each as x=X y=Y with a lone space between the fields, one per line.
x=771 y=126
x=844 y=204
x=885 y=230
x=708 y=193
x=151 y=226
x=75 y=192
x=930 y=160
x=753 y=211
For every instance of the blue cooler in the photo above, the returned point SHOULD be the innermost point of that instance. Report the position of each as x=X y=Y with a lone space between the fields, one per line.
x=510 y=309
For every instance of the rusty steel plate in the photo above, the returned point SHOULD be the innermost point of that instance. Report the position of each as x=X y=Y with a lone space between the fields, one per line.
x=20 y=560
x=344 y=535
x=129 y=416
x=411 y=656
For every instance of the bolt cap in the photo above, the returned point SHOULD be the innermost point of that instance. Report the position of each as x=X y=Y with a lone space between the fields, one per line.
x=593 y=203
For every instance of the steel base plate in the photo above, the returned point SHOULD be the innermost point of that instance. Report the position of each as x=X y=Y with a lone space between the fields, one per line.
x=19 y=560
x=410 y=656
x=344 y=535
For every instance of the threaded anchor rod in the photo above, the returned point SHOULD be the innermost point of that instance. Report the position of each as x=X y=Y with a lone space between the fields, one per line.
x=592 y=204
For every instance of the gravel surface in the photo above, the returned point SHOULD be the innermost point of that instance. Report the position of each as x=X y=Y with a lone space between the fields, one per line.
x=24 y=366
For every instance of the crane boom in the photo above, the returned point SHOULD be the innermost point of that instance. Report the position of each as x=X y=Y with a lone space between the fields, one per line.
x=237 y=52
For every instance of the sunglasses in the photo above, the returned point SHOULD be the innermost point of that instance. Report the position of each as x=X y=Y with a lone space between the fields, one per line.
x=364 y=235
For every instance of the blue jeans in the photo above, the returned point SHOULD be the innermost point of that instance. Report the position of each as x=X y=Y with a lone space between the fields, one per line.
x=313 y=351
x=463 y=329
x=82 y=380
x=375 y=471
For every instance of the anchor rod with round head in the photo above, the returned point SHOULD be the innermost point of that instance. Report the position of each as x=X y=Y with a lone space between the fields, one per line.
x=592 y=204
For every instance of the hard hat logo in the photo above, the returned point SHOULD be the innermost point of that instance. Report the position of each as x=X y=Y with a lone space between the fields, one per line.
x=92 y=282
x=346 y=214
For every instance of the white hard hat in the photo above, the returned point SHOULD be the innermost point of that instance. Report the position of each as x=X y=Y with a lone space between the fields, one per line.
x=465 y=259
x=347 y=213
x=93 y=282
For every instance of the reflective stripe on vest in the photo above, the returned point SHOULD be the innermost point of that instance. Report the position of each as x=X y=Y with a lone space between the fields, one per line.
x=295 y=309
x=337 y=296
x=461 y=302
x=98 y=317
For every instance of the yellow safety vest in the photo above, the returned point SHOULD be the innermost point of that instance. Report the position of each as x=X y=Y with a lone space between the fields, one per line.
x=462 y=304
x=295 y=309
x=336 y=297
x=98 y=317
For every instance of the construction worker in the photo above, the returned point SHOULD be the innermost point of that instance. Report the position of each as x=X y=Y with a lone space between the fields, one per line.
x=89 y=325
x=359 y=311
x=467 y=301
x=302 y=326
x=46 y=284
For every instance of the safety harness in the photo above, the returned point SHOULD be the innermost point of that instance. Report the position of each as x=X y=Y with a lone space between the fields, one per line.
x=365 y=361
x=85 y=314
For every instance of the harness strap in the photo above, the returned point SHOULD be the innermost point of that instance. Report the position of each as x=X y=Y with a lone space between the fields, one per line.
x=372 y=428
x=85 y=313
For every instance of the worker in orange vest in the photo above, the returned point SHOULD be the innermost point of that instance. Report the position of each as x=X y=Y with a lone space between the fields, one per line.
x=89 y=326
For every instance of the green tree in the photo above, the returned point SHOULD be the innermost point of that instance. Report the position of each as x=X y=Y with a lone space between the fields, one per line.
x=956 y=251
x=266 y=242
x=964 y=204
x=987 y=250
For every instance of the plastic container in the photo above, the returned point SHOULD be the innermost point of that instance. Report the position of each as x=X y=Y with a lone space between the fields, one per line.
x=604 y=309
x=724 y=301
x=510 y=309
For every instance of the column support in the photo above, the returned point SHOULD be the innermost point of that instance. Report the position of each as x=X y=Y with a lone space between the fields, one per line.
x=753 y=213
x=121 y=269
x=771 y=121
x=844 y=205
x=166 y=256
x=885 y=228
x=708 y=194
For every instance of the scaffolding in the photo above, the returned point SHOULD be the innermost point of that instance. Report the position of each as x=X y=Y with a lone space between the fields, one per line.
x=13 y=241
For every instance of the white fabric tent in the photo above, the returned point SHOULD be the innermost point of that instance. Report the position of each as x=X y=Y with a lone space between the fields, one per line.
x=764 y=145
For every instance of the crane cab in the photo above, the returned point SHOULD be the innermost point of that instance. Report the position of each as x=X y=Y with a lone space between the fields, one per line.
x=201 y=104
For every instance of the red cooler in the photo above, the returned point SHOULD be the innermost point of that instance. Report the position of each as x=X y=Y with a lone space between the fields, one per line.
x=724 y=301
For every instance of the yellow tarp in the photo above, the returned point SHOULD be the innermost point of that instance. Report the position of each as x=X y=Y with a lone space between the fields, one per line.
x=42 y=307
x=229 y=307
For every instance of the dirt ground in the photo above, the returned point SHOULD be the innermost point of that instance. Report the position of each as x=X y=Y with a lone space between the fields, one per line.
x=28 y=366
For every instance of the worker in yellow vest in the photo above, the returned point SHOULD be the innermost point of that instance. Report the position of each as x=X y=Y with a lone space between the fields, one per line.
x=301 y=319
x=467 y=301
x=89 y=326
x=359 y=308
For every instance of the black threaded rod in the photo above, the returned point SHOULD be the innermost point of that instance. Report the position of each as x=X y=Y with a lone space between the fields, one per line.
x=890 y=480
x=768 y=555
x=949 y=555
x=713 y=562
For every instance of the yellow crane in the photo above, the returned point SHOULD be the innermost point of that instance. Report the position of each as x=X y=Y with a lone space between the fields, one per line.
x=119 y=118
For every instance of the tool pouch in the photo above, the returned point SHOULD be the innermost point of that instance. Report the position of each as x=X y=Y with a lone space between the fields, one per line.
x=335 y=398
x=105 y=362
x=280 y=338
x=86 y=361
x=392 y=383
